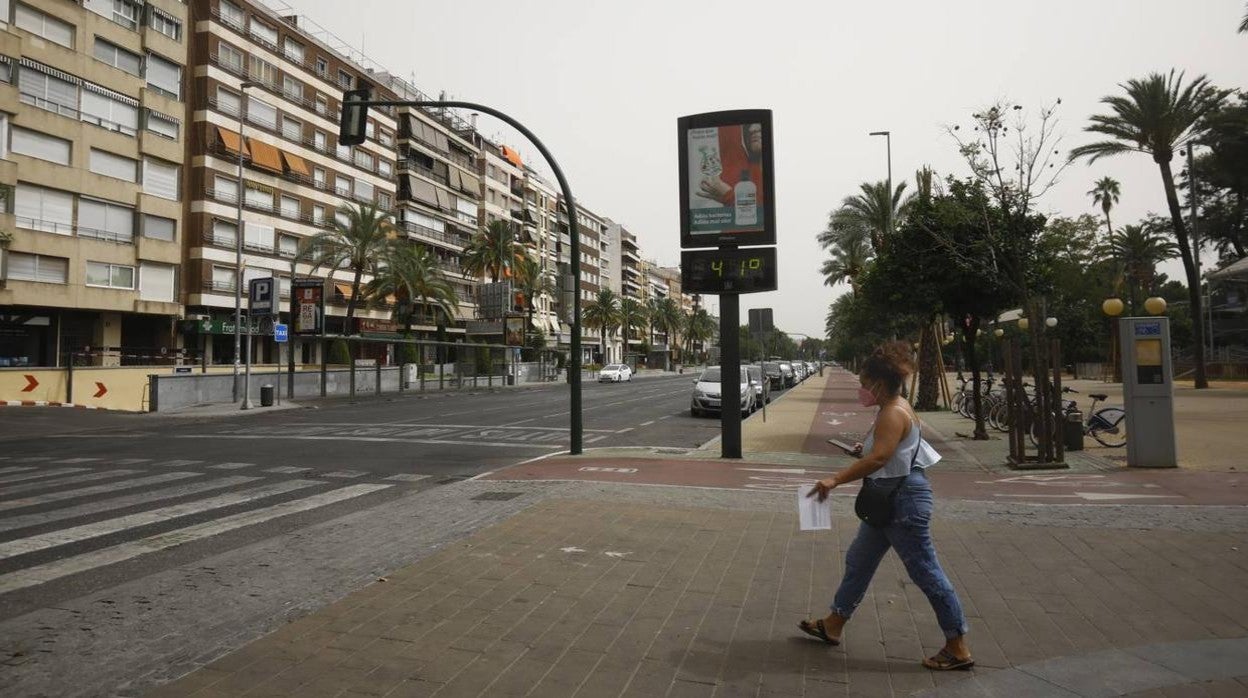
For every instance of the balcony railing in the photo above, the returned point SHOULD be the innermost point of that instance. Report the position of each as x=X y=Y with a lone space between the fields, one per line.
x=219 y=286
x=453 y=239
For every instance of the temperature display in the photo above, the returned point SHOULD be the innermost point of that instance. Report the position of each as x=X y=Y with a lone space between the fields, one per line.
x=733 y=270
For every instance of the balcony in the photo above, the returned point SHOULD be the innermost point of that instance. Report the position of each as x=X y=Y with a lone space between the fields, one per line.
x=418 y=232
x=427 y=173
x=218 y=286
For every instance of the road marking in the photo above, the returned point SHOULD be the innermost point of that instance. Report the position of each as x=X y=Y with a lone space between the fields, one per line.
x=132 y=461
x=178 y=463
x=95 y=489
x=32 y=459
x=75 y=460
x=38 y=474
x=15 y=469
x=71 y=480
x=122 y=523
x=39 y=574
x=780 y=471
x=230 y=466
x=625 y=431
x=407 y=477
x=646 y=424
x=419 y=425
x=1095 y=496
x=604 y=469
x=282 y=470
x=149 y=497
x=596 y=438
x=343 y=474
x=370 y=439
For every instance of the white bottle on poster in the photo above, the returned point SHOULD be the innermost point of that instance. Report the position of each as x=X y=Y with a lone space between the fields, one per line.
x=745 y=194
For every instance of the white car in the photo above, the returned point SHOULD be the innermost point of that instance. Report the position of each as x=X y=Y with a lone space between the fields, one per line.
x=615 y=373
x=706 y=393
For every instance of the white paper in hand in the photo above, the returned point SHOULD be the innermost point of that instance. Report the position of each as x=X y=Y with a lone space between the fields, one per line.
x=813 y=514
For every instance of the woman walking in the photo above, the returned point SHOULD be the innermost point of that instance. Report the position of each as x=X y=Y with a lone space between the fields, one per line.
x=896 y=507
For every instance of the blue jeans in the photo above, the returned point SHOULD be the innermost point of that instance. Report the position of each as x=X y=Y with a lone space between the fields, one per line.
x=910 y=535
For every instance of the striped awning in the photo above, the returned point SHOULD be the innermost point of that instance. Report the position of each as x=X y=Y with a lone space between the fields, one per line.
x=104 y=91
x=49 y=70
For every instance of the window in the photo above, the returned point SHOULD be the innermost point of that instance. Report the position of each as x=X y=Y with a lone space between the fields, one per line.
x=224 y=189
x=364 y=190
x=156 y=282
x=370 y=129
x=365 y=160
x=287 y=245
x=318 y=177
x=319 y=141
x=293 y=50
x=40 y=145
x=224 y=233
x=387 y=138
x=109 y=110
x=341 y=218
x=342 y=185
x=292 y=88
x=344 y=79
x=384 y=200
x=111 y=165
x=108 y=275
x=254 y=195
x=231 y=13
x=123 y=12
x=159 y=227
x=384 y=168
x=261 y=70
x=166 y=126
x=47 y=91
x=263 y=32
x=322 y=66
x=343 y=152
x=37 y=267
x=165 y=23
x=118 y=57
x=230 y=57
x=160 y=179
x=164 y=75
x=105 y=220
x=228 y=102
x=261 y=113
x=257 y=237
x=318 y=214
x=290 y=207
x=48 y=27
x=48 y=210
x=292 y=129
x=322 y=105
x=222 y=278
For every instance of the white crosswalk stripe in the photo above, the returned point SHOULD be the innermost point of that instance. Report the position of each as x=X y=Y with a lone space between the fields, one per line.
x=345 y=474
x=287 y=470
x=15 y=469
x=230 y=466
x=50 y=497
x=40 y=574
x=39 y=474
x=407 y=477
x=178 y=463
x=71 y=480
x=102 y=528
x=75 y=460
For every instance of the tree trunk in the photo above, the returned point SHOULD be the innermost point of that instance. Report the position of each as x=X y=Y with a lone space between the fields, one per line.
x=969 y=335
x=355 y=293
x=1189 y=266
x=1040 y=376
x=1109 y=226
x=929 y=367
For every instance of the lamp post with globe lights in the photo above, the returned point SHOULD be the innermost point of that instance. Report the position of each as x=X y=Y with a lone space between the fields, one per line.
x=1113 y=307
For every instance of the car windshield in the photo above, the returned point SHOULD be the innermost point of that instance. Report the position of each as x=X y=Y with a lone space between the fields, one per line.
x=713 y=375
x=612 y=367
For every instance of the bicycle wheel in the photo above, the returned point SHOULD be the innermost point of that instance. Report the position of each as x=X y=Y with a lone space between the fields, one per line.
x=1109 y=427
x=958 y=398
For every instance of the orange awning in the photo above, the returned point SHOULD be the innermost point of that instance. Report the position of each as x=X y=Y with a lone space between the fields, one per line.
x=230 y=140
x=295 y=164
x=512 y=156
x=265 y=155
x=344 y=289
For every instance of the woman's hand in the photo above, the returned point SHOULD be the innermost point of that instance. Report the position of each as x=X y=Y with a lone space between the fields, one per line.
x=857 y=452
x=823 y=488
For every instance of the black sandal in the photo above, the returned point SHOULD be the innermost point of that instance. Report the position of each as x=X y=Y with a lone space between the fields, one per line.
x=817 y=630
x=944 y=661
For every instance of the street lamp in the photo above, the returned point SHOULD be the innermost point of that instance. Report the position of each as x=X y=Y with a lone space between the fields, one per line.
x=238 y=246
x=888 y=139
x=1113 y=307
x=1155 y=305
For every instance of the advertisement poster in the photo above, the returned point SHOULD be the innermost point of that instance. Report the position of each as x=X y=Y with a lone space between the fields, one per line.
x=514 y=332
x=725 y=179
x=308 y=308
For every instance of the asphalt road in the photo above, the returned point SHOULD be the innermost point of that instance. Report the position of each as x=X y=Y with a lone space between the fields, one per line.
x=90 y=500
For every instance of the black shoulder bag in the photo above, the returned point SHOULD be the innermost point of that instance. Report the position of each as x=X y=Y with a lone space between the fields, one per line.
x=874 y=505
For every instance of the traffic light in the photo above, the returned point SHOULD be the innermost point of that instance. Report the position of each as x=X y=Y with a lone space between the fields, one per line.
x=352 y=124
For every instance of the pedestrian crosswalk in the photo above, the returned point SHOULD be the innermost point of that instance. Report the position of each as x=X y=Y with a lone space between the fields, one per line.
x=62 y=517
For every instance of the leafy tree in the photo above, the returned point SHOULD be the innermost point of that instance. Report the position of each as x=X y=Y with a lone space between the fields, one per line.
x=603 y=314
x=699 y=327
x=1158 y=115
x=1106 y=193
x=493 y=251
x=666 y=317
x=874 y=210
x=356 y=242
x=1137 y=250
x=850 y=256
x=410 y=272
x=1077 y=278
x=1243 y=25
x=632 y=317
x=1222 y=180
x=532 y=283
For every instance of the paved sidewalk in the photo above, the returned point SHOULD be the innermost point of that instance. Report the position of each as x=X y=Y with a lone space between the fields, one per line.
x=617 y=589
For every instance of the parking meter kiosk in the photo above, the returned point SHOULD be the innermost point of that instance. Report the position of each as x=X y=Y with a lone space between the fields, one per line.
x=1148 y=391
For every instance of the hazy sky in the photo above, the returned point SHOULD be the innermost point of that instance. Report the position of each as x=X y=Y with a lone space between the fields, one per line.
x=602 y=84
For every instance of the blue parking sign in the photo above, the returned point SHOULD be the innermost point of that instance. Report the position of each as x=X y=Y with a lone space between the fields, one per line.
x=279 y=332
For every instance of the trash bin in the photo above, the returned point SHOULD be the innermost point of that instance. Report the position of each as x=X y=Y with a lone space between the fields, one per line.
x=266 y=396
x=1073 y=433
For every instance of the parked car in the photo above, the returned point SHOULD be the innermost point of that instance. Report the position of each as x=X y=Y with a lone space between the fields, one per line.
x=800 y=369
x=790 y=376
x=762 y=386
x=615 y=373
x=706 y=393
x=775 y=377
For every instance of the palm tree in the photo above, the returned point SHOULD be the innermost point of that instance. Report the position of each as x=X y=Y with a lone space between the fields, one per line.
x=632 y=317
x=667 y=317
x=699 y=327
x=1106 y=192
x=652 y=311
x=1243 y=26
x=603 y=314
x=532 y=282
x=875 y=210
x=493 y=251
x=1138 y=250
x=359 y=237
x=412 y=274
x=1157 y=116
x=849 y=260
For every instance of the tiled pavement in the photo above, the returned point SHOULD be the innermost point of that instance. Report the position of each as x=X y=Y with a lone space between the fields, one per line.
x=592 y=595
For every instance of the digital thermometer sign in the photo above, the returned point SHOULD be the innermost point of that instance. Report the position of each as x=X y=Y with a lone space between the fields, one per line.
x=730 y=270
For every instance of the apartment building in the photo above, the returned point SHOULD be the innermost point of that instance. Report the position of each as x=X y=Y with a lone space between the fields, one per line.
x=91 y=167
x=590 y=227
x=542 y=223
x=267 y=94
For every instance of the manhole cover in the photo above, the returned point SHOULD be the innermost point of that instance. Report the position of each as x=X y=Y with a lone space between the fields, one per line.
x=496 y=496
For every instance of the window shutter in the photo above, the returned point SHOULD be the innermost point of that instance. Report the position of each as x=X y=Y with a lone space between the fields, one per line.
x=22 y=266
x=111 y=165
x=164 y=74
x=160 y=179
x=256 y=235
x=40 y=145
x=156 y=282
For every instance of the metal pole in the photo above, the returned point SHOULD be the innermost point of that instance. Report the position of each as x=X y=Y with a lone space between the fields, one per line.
x=247 y=373
x=238 y=238
x=574 y=369
x=730 y=375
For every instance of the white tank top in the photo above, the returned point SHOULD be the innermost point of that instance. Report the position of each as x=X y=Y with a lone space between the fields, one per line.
x=899 y=464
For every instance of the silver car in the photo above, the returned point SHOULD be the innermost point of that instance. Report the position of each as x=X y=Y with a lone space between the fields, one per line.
x=707 y=389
